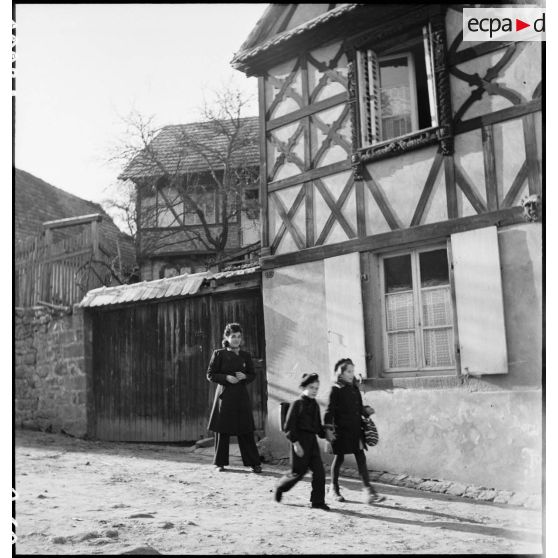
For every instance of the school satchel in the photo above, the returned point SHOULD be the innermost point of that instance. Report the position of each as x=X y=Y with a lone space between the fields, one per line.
x=283 y=410
x=370 y=431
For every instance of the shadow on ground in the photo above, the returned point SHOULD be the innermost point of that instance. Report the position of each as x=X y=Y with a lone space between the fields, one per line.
x=173 y=453
x=478 y=529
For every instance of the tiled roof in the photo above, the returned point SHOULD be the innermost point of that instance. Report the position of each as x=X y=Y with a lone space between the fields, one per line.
x=37 y=201
x=246 y=54
x=212 y=137
x=263 y=26
x=182 y=285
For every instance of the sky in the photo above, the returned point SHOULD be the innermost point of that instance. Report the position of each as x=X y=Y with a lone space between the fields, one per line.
x=82 y=68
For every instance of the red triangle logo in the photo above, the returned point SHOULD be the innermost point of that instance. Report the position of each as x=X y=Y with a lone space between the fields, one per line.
x=519 y=24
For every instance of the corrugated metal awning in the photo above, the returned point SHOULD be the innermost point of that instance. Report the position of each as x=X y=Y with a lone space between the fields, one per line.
x=182 y=285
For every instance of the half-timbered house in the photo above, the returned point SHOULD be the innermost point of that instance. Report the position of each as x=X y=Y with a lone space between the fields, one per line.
x=401 y=183
x=197 y=196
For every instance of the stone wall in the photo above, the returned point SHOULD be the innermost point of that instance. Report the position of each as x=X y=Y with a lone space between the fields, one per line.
x=50 y=378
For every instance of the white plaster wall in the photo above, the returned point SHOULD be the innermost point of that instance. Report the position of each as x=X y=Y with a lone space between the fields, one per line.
x=401 y=179
x=296 y=338
x=484 y=438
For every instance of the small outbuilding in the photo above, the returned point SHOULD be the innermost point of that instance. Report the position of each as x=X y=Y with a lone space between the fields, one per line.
x=147 y=350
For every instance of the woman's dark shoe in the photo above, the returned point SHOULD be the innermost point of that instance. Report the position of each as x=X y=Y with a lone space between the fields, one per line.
x=256 y=469
x=321 y=506
x=278 y=494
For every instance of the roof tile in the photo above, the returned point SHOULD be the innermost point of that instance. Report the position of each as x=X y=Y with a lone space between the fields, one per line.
x=169 y=151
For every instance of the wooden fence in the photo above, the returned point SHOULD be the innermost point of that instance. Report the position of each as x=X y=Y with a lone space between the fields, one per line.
x=60 y=268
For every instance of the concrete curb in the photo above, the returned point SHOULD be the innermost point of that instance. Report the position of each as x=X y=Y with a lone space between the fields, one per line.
x=480 y=493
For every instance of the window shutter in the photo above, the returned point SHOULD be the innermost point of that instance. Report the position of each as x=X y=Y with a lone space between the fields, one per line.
x=479 y=302
x=344 y=310
x=368 y=69
x=430 y=75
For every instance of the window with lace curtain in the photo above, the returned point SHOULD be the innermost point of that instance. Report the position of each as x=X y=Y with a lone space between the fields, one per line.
x=417 y=311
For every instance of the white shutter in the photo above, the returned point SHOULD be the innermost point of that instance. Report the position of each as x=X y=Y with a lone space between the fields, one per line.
x=429 y=63
x=344 y=311
x=368 y=70
x=479 y=302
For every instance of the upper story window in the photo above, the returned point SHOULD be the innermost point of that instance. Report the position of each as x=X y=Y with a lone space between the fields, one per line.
x=205 y=200
x=397 y=90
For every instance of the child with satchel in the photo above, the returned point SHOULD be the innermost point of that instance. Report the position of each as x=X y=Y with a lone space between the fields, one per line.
x=302 y=425
x=344 y=415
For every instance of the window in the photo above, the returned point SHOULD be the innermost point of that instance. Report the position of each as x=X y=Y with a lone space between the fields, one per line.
x=417 y=311
x=170 y=208
x=396 y=86
x=205 y=200
x=251 y=203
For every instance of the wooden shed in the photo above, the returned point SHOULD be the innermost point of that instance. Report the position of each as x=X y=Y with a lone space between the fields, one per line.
x=151 y=344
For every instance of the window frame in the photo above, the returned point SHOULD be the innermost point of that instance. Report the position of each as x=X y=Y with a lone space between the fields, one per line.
x=383 y=370
x=206 y=194
x=412 y=76
x=432 y=17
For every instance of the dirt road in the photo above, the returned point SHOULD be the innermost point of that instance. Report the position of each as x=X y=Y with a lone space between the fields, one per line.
x=77 y=497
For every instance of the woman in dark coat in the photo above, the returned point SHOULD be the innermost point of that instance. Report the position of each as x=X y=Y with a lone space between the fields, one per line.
x=232 y=369
x=344 y=414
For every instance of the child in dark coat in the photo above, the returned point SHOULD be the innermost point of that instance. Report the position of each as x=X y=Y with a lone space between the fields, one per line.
x=303 y=424
x=344 y=415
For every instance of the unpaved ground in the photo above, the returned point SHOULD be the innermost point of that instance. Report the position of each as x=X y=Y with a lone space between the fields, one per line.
x=78 y=497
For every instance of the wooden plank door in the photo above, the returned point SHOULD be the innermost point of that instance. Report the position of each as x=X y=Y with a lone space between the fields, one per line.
x=149 y=365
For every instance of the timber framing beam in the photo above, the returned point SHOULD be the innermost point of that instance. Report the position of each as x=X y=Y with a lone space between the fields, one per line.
x=388 y=240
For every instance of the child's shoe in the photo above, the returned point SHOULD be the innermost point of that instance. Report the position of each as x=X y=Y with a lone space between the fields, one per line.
x=322 y=506
x=371 y=496
x=335 y=494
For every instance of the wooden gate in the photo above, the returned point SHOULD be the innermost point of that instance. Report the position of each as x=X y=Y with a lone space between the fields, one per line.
x=150 y=361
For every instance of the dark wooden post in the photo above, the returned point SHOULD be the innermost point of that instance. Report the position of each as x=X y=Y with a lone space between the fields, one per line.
x=265 y=249
x=46 y=271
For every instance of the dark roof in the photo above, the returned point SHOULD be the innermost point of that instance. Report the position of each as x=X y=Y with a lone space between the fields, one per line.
x=259 y=41
x=169 y=151
x=182 y=285
x=37 y=201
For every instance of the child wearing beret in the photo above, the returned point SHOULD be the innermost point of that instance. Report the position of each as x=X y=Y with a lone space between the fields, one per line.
x=302 y=425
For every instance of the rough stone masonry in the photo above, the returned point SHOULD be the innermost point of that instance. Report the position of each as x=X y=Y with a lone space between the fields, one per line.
x=50 y=380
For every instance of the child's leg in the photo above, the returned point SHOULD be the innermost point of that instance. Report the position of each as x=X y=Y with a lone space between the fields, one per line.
x=362 y=468
x=317 y=496
x=370 y=494
x=299 y=466
x=335 y=469
x=221 y=457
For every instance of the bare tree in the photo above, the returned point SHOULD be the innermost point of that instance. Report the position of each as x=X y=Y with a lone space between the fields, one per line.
x=184 y=187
